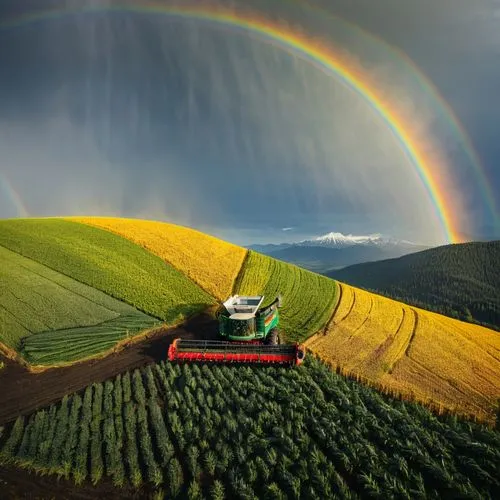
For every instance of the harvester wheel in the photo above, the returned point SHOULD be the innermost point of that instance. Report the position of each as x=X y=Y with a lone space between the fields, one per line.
x=273 y=337
x=278 y=336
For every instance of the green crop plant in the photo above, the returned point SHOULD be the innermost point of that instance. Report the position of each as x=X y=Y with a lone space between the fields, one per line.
x=268 y=433
x=131 y=452
x=96 y=462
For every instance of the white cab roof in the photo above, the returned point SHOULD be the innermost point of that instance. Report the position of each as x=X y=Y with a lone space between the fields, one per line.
x=243 y=304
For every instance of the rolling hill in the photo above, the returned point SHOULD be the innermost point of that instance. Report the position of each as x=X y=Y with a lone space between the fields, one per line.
x=224 y=268
x=230 y=431
x=144 y=264
x=461 y=281
x=210 y=262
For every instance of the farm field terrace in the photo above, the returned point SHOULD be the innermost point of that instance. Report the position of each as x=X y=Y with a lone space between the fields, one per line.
x=417 y=353
x=195 y=431
x=74 y=344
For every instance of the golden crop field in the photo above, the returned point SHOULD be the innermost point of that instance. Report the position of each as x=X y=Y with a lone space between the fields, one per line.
x=419 y=354
x=211 y=263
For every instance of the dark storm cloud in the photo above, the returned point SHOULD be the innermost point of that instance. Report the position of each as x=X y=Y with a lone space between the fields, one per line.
x=137 y=115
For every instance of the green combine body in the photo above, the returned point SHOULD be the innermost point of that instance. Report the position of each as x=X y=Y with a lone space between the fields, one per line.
x=243 y=319
x=249 y=333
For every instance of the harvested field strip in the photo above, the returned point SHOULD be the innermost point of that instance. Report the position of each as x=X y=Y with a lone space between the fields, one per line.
x=345 y=303
x=420 y=354
x=367 y=317
x=308 y=299
x=359 y=310
x=211 y=263
x=350 y=304
x=178 y=429
x=108 y=263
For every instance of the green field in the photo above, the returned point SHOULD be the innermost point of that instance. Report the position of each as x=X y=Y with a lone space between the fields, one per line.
x=107 y=262
x=199 y=431
x=50 y=318
x=308 y=298
x=34 y=298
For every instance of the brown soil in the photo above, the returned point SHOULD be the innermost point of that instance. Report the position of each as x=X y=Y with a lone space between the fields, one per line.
x=22 y=392
x=19 y=484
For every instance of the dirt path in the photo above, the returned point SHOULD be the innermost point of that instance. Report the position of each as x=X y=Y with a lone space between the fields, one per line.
x=22 y=392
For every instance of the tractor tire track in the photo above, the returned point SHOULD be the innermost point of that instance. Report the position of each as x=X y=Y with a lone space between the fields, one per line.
x=413 y=333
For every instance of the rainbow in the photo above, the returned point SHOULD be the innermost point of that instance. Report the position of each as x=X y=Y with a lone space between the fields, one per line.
x=428 y=88
x=8 y=189
x=321 y=56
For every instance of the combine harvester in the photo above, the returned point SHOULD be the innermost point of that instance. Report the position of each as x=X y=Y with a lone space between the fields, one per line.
x=250 y=333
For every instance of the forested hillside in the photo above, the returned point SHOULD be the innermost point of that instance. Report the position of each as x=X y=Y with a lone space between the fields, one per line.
x=462 y=281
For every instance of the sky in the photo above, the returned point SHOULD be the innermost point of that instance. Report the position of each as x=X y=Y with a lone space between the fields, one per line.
x=144 y=115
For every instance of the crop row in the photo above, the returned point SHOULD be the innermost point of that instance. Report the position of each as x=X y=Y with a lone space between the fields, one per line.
x=250 y=432
x=308 y=298
x=63 y=346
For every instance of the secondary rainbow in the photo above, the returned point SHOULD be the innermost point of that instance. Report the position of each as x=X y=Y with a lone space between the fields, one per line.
x=7 y=188
x=320 y=55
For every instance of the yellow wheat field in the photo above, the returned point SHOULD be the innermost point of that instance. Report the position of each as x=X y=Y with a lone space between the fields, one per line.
x=211 y=263
x=417 y=353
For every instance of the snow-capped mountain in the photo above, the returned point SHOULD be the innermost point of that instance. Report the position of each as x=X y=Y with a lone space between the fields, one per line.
x=335 y=250
x=339 y=240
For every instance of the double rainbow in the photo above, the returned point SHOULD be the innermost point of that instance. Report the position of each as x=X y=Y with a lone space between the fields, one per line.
x=320 y=55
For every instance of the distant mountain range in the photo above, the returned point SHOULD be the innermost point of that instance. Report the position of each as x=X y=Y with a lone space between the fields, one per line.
x=462 y=280
x=336 y=250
